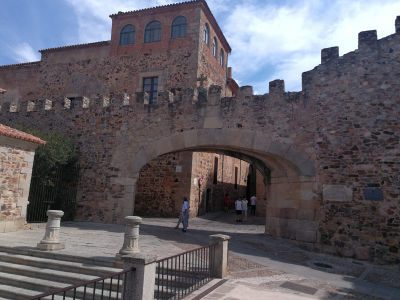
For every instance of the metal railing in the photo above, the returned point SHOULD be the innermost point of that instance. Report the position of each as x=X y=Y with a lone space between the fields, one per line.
x=179 y=275
x=110 y=287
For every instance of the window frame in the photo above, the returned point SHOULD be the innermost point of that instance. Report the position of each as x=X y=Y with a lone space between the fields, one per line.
x=180 y=27
x=215 y=47
x=151 y=34
x=153 y=87
x=222 y=57
x=125 y=34
x=206 y=34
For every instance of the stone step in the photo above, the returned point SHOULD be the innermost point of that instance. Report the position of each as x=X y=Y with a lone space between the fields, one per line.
x=105 y=262
x=30 y=283
x=43 y=273
x=16 y=293
x=39 y=286
x=59 y=265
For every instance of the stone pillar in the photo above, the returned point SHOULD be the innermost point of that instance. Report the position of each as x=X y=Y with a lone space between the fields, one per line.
x=219 y=255
x=131 y=237
x=140 y=284
x=51 y=239
x=397 y=24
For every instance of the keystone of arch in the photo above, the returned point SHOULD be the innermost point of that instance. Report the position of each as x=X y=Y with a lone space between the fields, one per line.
x=235 y=139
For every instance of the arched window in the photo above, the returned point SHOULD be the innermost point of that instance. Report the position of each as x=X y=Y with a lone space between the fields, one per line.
x=127 y=35
x=206 y=34
x=222 y=58
x=214 y=47
x=152 y=33
x=178 y=28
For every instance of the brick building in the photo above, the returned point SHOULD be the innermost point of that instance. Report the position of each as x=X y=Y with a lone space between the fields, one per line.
x=163 y=51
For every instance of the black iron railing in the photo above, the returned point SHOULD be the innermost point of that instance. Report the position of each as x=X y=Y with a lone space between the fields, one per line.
x=179 y=275
x=110 y=287
x=60 y=194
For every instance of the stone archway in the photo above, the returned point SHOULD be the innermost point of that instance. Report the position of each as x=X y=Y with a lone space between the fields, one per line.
x=292 y=209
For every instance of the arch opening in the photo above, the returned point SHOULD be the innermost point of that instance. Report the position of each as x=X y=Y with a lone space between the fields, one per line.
x=292 y=197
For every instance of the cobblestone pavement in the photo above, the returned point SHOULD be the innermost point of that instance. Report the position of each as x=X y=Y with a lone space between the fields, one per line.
x=260 y=267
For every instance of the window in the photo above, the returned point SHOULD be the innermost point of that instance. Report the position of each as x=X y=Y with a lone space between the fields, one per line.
x=127 y=35
x=215 y=180
x=206 y=34
x=150 y=86
x=214 y=47
x=236 y=178
x=178 y=28
x=222 y=58
x=152 y=32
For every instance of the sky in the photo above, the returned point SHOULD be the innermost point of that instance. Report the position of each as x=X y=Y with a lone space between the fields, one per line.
x=270 y=39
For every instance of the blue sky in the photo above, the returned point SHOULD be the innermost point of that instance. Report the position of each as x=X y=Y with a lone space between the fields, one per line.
x=270 y=39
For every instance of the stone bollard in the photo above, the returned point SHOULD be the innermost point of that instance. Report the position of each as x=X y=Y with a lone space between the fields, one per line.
x=140 y=283
x=131 y=237
x=219 y=255
x=51 y=239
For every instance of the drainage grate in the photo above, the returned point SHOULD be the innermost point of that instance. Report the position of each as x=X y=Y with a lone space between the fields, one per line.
x=323 y=265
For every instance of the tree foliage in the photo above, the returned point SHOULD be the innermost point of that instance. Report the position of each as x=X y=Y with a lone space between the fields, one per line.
x=58 y=153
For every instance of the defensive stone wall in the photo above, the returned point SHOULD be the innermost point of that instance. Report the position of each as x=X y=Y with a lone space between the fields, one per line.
x=332 y=149
x=357 y=146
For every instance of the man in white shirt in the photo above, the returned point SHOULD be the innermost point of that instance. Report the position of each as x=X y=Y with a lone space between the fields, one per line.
x=253 y=203
x=238 y=208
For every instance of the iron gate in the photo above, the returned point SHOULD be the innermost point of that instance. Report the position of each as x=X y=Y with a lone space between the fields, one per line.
x=60 y=194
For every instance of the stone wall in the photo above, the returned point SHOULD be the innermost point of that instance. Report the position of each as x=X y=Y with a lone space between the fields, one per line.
x=331 y=150
x=211 y=190
x=16 y=161
x=162 y=184
x=208 y=64
x=357 y=147
x=164 y=181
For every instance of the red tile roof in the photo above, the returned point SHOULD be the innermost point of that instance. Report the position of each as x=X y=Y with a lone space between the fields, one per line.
x=20 y=135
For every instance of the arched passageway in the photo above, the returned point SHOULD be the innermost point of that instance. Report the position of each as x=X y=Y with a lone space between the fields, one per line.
x=292 y=201
x=212 y=180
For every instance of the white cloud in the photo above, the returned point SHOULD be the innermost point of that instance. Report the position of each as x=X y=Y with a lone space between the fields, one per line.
x=24 y=53
x=273 y=39
x=289 y=37
x=93 y=15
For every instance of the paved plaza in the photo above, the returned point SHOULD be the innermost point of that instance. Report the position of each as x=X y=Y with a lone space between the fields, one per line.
x=260 y=267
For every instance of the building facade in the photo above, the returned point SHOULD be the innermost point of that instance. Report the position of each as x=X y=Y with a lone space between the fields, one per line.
x=328 y=155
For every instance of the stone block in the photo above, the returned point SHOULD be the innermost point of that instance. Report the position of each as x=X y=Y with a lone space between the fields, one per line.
x=306 y=214
x=50 y=247
x=335 y=192
x=288 y=213
x=309 y=236
x=362 y=253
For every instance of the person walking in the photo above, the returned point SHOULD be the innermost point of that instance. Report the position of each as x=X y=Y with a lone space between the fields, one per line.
x=238 y=208
x=244 y=208
x=253 y=203
x=185 y=214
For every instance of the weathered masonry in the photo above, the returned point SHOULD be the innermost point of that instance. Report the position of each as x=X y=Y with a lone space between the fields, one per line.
x=17 y=150
x=329 y=153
